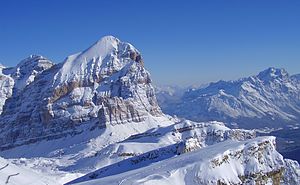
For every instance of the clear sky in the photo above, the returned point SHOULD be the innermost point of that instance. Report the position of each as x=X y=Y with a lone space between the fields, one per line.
x=182 y=42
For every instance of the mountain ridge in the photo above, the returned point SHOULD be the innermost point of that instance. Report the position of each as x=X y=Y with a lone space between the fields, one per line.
x=270 y=96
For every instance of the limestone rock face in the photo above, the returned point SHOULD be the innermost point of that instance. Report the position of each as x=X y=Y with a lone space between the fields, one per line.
x=15 y=79
x=26 y=71
x=105 y=84
x=6 y=86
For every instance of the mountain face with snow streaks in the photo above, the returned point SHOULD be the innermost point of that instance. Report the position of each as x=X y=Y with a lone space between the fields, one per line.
x=105 y=84
x=6 y=85
x=15 y=79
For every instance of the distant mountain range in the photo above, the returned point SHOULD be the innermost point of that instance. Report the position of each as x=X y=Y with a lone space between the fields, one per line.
x=269 y=99
x=94 y=119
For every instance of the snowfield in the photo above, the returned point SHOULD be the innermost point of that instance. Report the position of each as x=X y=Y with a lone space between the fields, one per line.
x=229 y=162
x=15 y=175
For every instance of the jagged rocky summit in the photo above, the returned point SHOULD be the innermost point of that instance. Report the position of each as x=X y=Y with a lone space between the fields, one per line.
x=15 y=79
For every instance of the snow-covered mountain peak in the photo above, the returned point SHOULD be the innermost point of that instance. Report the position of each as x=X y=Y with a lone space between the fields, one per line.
x=109 y=39
x=103 y=47
x=104 y=58
x=273 y=73
x=25 y=72
x=106 y=84
x=32 y=62
x=34 y=58
x=269 y=98
x=296 y=77
x=1 y=67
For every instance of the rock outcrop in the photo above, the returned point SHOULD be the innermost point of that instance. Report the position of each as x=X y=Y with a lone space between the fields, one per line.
x=15 y=79
x=6 y=88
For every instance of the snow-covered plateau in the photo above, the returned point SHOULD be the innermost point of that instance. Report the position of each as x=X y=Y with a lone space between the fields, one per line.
x=94 y=119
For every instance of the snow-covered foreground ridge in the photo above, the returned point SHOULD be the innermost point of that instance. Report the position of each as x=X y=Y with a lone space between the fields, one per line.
x=253 y=161
x=15 y=175
x=95 y=116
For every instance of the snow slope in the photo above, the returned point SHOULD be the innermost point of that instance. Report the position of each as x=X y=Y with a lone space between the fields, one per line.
x=73 y=156
x=11 y=174
x=229 y=162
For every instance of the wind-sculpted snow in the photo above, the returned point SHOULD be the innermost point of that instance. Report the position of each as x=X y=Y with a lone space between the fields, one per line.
x=139 y=144
x=253 y=161
x=124 y=149
x=270 y=99
x=165 y=142
x=11 y=174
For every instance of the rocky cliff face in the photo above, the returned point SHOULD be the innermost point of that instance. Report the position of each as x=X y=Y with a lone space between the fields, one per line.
x=27 y=70
x=6 y=86
x=105 y=84
x=15 y=79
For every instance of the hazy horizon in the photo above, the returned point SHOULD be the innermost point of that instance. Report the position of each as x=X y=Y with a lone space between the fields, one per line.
x=182 y=43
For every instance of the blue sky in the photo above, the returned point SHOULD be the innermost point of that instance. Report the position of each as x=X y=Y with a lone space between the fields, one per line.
x=182 y=42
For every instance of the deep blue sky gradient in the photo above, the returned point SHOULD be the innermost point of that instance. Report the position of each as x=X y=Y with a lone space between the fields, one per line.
x=182 y=42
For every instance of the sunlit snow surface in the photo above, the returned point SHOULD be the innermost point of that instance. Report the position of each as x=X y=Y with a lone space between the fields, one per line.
x=199 y=167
